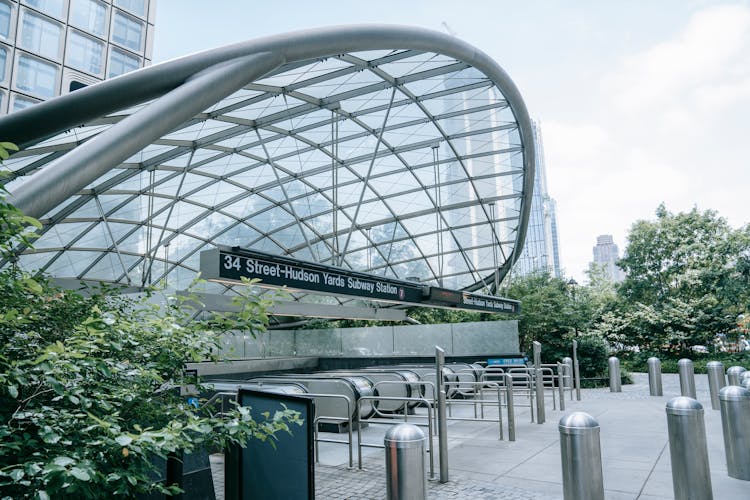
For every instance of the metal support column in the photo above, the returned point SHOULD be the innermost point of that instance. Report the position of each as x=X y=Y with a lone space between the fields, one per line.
x=442 y=420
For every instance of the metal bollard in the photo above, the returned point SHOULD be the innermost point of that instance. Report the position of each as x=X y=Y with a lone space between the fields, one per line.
x=733 y=375
x=691 y=477
x=441 y=417
x=735 y=424
x=654 y=377
x=745 y=382
x=615 y=381
x=715 y=371
x=581 y=457
x=744 y=377
x=687 y=378
x=404 y=463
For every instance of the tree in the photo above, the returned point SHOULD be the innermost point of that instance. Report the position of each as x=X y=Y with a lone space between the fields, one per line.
x=687 y=278
x=89 y=386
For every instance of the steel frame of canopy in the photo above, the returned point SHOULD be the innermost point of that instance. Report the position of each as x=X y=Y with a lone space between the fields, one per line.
x=177 y=94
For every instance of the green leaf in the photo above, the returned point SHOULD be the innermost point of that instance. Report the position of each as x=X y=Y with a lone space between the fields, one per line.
x=124 y=440
x=80 y=474
x=16 y=474
x=63 y=461
x=13 y=391
x=42 y=495
x=9 y=145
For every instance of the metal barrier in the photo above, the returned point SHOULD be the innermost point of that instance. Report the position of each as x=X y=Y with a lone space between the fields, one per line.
x=691 y=477
x=360 y=444
x=581 y=456
x=615 y=379
x=654 y=377
x=482 y=402
x=687 y=377
x=735 y=425
x=404 y=463
x=715 y=371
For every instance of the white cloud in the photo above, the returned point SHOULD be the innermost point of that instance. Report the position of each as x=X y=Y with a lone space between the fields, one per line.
x=666 y=125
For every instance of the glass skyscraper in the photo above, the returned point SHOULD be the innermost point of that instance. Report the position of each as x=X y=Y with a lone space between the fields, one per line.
x=53 y=47
x=541 y=252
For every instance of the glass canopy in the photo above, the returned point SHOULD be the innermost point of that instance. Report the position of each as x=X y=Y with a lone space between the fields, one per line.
x=400 y=162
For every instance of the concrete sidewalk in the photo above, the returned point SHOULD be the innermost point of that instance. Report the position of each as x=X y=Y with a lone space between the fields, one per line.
x=634 y=444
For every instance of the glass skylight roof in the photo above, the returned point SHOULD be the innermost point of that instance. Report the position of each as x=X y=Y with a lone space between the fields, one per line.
x=400 y=163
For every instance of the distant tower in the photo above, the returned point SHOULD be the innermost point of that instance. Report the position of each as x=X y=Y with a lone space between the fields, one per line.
x=606 y=255
x=541 y=251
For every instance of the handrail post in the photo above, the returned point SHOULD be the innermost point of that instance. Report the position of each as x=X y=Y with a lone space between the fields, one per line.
x=509 y=401
x=576 y=371
x=561 y=385
x=442 y=422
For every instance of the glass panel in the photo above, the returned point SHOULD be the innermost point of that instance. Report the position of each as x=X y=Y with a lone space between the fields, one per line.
x=128 y=32
x=36 y=77
x=5 y=19
x=3 y=63
x=89 y=15
x=20 y=103
x=85 y=53
x=40 y=36
x=53 y=8
x=134 y=6
x=120 y=63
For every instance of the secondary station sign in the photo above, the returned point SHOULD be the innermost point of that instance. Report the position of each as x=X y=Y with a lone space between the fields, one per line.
x=231 y=264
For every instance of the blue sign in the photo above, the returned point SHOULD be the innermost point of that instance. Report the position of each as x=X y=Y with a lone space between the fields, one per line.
x=506 y=361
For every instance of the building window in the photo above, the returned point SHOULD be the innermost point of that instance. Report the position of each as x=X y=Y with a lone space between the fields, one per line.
x=120 y=62
x=54 y=8
x=40 y=35
x=90 y=16
x=128 y=32
x=85 y=53
x=5 y=14
x=22 y=102
x=3 y=63
x=36 y=77
x=135 y=6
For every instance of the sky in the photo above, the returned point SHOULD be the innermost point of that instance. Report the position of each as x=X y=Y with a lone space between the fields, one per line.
x=640 y=102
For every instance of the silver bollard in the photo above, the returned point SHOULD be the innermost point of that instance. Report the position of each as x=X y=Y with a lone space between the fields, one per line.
x=654 y=377
x=404 y=463
x=691 y=476
x=511 y=411
x=733 y=375
x=735 y=424
x=581 y=457
x=687 y=378
x=715 y=371
x=745 y=382
x=615 y=380
x=744 y=377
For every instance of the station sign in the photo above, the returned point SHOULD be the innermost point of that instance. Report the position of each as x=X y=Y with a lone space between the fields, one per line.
x=231 y=264
x=272 y=270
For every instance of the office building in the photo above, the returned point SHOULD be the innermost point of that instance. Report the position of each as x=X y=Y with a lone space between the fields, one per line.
x=606 y=255
x=54 y=47
x=541 y=251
